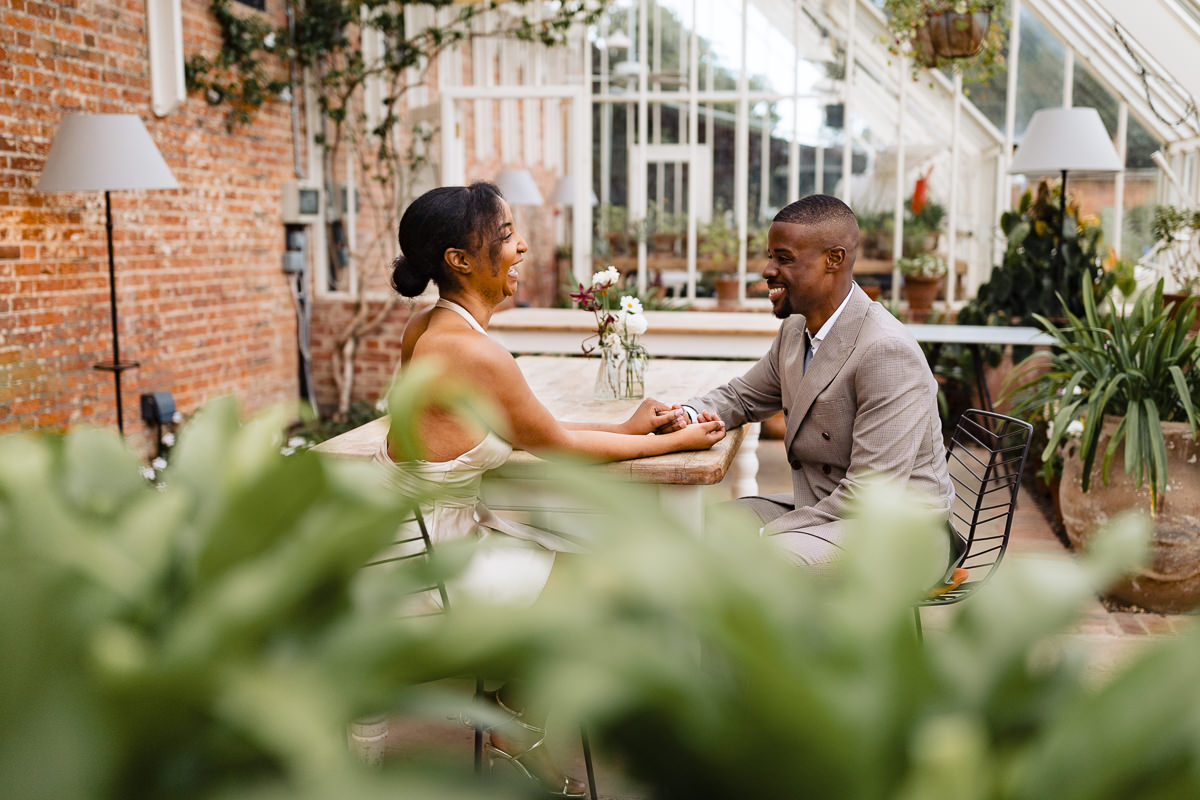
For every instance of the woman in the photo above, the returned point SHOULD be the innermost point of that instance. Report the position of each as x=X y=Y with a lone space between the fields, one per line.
x=463 y=239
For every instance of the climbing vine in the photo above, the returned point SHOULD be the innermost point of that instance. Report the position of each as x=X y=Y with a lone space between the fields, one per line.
x=328 y=45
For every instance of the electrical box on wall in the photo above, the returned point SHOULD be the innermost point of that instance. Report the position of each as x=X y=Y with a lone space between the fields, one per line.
x=301 y=203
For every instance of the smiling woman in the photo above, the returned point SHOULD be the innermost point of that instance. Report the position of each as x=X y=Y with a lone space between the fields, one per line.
x=463 y=239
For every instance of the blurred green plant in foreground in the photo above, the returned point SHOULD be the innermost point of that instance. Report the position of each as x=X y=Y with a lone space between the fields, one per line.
x=209 y=639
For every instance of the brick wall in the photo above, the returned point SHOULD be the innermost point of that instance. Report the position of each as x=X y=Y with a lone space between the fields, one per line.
x=203 y=304
x=202 y=301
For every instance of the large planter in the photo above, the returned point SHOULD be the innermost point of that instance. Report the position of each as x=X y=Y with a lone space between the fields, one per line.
x=1171 y=583
x=1174 y=301
x=921 y=292
x=948 y=35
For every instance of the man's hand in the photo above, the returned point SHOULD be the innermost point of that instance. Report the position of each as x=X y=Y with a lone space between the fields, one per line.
x=676 y=422
x=653 y=416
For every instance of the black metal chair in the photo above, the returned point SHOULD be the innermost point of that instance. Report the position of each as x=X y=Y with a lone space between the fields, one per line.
x=419 y=545
x=986 y=455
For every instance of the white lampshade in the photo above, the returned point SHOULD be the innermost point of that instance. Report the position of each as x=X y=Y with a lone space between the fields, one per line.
x=519 y=187
x=102 y=152
x=564 y=192
x=1059 y=139
x=617 y=40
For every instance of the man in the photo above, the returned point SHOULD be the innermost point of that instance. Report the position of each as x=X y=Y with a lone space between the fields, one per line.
x=856 y=392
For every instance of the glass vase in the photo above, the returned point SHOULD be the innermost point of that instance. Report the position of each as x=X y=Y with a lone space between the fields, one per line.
x=621 y=376
x=608 y=376
x=634 y=374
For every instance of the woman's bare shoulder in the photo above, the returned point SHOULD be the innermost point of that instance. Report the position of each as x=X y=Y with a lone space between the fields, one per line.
x=464 y=351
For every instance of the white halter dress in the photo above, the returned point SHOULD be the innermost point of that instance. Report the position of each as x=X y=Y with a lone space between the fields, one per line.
x=512 y=560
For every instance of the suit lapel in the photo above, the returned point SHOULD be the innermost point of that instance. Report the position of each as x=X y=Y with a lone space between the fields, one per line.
x=827 y=362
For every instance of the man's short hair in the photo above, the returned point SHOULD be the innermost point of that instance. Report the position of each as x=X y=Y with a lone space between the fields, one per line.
x=817 y=209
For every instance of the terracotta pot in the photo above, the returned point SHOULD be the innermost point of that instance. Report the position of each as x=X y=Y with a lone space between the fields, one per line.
x=1177 y=299
x=1171 y=584
x=618 y=243
x=921 y=291
x=726 y=289
x=665 y=242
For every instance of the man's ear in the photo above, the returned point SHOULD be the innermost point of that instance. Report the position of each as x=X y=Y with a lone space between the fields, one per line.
x=457 y=260
x=836 y=257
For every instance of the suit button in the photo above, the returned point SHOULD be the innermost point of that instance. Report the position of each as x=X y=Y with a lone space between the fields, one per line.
x=825 y=435
x=826 y=469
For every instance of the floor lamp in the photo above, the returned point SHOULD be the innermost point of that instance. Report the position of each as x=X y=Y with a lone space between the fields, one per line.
x=1062 y=140
x=105 y=152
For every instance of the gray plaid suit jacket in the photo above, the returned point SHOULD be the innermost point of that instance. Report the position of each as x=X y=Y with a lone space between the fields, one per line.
x=866 y=405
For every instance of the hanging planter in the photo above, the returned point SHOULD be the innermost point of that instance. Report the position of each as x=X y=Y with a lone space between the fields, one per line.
x=967 y=35
x=951 y=35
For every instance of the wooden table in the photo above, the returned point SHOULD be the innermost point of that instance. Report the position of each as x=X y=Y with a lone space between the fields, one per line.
x=564 y=385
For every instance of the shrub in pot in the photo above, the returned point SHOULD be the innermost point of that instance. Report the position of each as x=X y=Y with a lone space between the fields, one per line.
x=1128 y=387
x=923 y=276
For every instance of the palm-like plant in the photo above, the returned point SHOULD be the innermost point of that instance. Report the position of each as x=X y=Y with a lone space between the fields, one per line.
x=1141 y=368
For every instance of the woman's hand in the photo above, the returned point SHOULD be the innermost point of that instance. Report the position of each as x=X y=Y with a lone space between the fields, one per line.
x=700 y=436
x=653 y=415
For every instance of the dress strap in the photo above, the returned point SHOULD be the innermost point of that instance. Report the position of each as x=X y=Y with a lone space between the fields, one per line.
x=462 y=312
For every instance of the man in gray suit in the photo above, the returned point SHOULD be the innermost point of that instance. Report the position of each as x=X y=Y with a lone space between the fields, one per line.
x=855 y=389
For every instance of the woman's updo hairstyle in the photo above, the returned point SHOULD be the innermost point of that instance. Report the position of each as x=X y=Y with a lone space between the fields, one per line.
x=462 y=217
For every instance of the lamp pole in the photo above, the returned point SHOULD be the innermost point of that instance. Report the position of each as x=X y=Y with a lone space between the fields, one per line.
x=116 y=367
x=1060 y=265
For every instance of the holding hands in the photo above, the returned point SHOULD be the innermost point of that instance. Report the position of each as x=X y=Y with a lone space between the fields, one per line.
x=653 y=416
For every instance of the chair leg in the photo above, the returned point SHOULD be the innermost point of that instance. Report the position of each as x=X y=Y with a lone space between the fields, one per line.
x=917 y=622
x=587 y=762
x=478 y=730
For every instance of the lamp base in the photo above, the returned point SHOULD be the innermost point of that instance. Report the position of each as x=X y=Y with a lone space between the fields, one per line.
x=116 y=366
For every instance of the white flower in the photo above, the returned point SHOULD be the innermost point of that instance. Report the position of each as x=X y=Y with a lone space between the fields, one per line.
x=635 y=324
x=269 y=41
x=606 y=277
x=297 y=441
x=1077 y=390
x=177 y=417
x=1075 y=429
x=285 y=95
x=631 y=305
x=287 y=451
x=168 y=439
x=148 y=473
x=159 y=463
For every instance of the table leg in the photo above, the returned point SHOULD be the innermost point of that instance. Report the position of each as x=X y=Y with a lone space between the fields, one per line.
x=745 y=463
x=684 y=503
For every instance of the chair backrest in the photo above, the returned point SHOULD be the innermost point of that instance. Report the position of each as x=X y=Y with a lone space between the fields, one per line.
x=986 y=457
x=413 y=542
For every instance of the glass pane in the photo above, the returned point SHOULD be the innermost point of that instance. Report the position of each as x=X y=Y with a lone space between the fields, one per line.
x=1039 y=75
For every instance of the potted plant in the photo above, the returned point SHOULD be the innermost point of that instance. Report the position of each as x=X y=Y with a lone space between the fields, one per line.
x=965 y=34
x=922 y=226
x=719 y=246
x=614 y=224
x=1177 y=248
x=1126 y=389
x=923 y=275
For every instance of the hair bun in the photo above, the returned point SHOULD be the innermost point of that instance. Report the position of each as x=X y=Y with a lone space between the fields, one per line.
x=409 y=278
